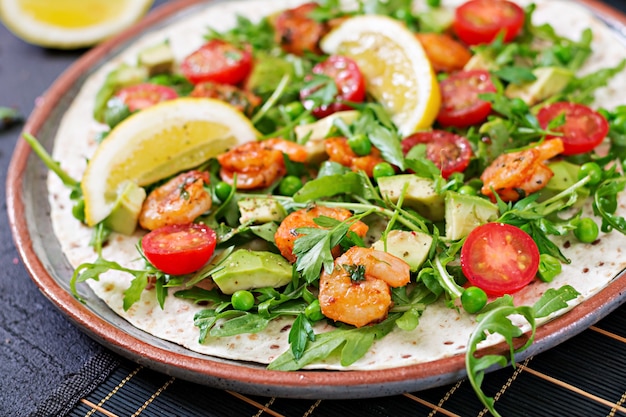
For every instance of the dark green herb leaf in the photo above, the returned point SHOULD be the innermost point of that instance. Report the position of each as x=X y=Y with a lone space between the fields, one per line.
x=301 y=332
x=554 y=300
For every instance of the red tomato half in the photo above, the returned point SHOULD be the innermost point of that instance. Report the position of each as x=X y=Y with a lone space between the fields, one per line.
x=480 y=21
x=349 y=80
x=583 y=130
x=179 y=249
x=219 y=62
x=141 y=96
x=450 y=152
x=460 y=105
x=499 y=258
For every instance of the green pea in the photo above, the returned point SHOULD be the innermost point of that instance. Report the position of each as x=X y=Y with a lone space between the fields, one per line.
x=473 y=299
x=293 y=109
x=549 y=267
x=586 y=230
x=383 y=169
x=619 y=124
x=360 y=144
x=592 y=170
x=467 y=190
x=289 y=185
x=313 y=311
x=223 y=190
x=242 y=300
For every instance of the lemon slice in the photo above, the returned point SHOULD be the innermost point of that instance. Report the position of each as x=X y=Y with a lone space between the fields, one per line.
x=397 y=72
x=67 y=24
x=158 y=142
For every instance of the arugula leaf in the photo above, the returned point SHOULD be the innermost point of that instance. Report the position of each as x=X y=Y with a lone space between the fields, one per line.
x=93 y=270
x=259 y=35
x=200 y=295
x=335 y=184
x=515 y=75
x=355 y=341
x=554 y=300
x=496 y=320
x=323 y=89
x=244 y=322
x=608 y=189
x=582 y=89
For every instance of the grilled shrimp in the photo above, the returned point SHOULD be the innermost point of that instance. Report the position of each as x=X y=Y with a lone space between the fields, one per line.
x=339 y=151
x=179 y=201
x=286 y=234
x=296 y=32
x=259 y=164
x=361 y=297
x=514 y=175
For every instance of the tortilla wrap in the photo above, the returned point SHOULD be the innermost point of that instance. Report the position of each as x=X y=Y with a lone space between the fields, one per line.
x=442 y=331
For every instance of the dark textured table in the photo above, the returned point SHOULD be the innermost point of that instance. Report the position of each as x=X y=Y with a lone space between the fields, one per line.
x=49 y=365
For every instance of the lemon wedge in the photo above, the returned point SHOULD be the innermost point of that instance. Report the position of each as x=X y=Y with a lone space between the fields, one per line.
x=397 y=72
x=158 y=142
x=68 y=24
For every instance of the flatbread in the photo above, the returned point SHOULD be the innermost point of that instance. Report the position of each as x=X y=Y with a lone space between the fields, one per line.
x=442 y=332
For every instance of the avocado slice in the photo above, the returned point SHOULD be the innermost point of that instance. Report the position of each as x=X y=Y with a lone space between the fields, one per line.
x=157 y=59
x=565 y=175
x=125 y=213
x=465 y=212
x=410 y=246
x=246 y=269
x=549 y=81
x=260 y=210
x=267 y=73
x=419 y=194
x=123 y=76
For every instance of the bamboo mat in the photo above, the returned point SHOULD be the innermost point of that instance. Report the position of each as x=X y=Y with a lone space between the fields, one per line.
x=585 y=376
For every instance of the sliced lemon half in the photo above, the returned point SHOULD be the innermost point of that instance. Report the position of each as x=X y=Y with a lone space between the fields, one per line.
x=68 y=24
x=397 y=72
x=158 y=142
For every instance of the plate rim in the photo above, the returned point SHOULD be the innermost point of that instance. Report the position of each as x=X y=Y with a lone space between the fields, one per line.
x=230 y=374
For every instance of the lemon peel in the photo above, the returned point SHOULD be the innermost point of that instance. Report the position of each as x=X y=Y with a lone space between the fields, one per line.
x=70 y=24
x=158 y=142
x=397 y=71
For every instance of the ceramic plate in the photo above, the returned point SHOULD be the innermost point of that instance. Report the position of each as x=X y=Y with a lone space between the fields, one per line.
x=29 y=214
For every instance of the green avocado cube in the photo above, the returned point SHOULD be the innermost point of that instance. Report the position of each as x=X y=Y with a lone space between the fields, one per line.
x=246 y=269
x=410 y=246
x=260 y=210
x=419 y=194
x=465 y=212
x=549 y=81
x=127 y=207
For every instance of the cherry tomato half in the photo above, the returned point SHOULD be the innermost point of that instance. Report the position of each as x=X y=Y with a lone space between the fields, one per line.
x=583 y=130
x=179 y=249
x=219 y=62
x=141 y=96
x=460 y=105
x=450 y=152
x=499 y=258
x=349 y=80
x=480 y=21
